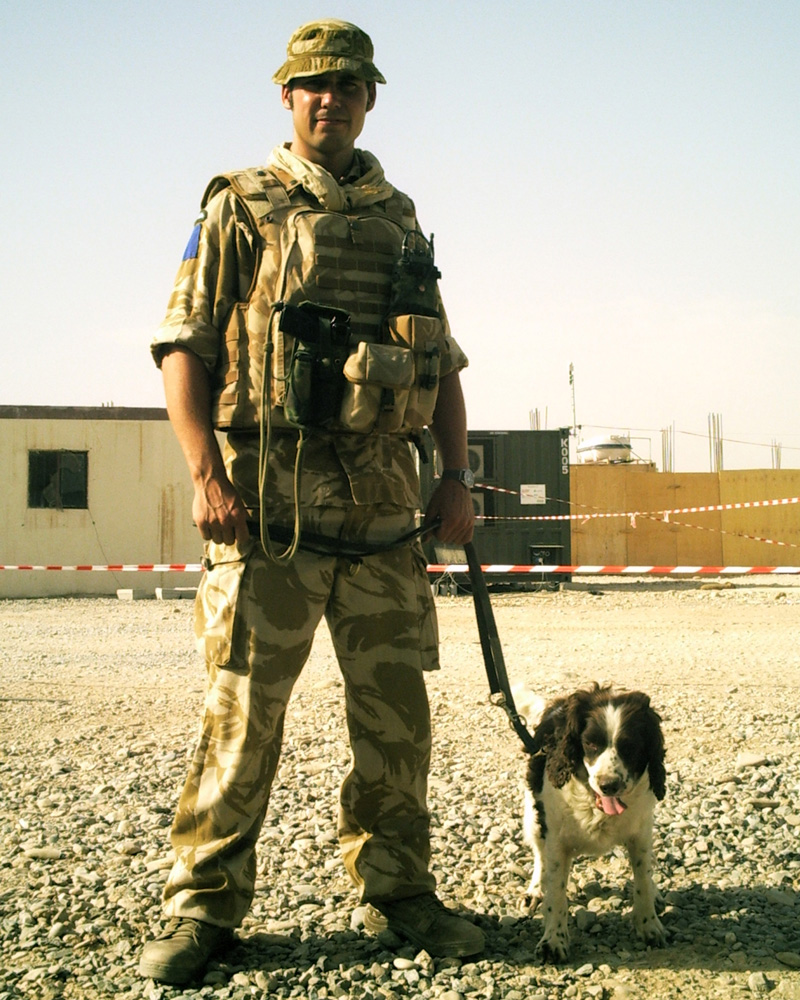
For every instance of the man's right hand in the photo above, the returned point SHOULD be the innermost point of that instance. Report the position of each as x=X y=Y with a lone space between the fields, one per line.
x=217 y=508
x=219 y=513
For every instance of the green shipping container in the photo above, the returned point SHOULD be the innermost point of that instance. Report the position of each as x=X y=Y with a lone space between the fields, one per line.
x=521 y=487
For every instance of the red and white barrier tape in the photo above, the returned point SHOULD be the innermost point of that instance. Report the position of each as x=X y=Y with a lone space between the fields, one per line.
x=733 y=534
x=666 y=520
x=121 y=568
x=623 y=570
x=462 y=568
x=573 y=570
x=633 y=514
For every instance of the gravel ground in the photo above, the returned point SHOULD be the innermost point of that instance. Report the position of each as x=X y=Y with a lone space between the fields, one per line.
x=99 y=706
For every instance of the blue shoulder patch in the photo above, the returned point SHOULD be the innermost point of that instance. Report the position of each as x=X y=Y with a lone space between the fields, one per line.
x=192 y=247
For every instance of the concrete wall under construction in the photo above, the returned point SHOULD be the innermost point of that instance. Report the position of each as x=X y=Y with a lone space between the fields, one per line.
x=635 y=516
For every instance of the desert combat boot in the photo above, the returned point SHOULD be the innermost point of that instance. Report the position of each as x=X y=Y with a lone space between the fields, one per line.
x=426 y=922
x=183 y=950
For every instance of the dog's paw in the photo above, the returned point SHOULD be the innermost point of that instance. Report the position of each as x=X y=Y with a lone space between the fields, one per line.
x=553 y=948
x=650 y=929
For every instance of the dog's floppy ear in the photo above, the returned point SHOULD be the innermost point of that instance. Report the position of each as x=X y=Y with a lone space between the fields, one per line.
x=565 y=753
x=655 y=763
x=655 y=747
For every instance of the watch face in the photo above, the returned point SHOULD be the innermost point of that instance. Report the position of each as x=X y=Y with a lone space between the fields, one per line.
x=465 y=476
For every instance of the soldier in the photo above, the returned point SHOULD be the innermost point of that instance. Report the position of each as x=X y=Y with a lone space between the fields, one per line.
x=306 y=323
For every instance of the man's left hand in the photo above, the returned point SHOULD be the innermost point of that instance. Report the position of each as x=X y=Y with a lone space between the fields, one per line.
x=452 y=503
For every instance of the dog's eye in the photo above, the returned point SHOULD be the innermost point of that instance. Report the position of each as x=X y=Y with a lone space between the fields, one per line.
x=592 y=748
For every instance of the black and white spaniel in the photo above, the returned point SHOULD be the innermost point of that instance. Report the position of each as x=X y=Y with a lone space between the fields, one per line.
x=592 y=784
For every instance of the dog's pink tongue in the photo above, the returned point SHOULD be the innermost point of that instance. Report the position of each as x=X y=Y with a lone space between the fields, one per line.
x=610 y=805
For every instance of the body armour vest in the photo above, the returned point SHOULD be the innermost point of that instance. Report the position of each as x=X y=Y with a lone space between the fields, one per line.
x=346 y=261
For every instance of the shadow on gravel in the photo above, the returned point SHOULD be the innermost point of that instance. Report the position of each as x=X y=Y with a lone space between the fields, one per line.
x=757 y=922
x=708 y=929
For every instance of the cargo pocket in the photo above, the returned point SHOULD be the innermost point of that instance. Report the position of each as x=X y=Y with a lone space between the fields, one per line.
x=217 y=602
x=378 y=380
x=428 y=622
x=424 y=336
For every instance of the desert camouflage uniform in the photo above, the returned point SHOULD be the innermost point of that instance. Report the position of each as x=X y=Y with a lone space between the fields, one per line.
x=255 y=622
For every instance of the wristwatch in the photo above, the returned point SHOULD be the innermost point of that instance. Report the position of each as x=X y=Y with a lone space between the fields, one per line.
x=465 y=476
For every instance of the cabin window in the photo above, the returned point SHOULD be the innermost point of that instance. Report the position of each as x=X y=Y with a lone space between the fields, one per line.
x=58 y=479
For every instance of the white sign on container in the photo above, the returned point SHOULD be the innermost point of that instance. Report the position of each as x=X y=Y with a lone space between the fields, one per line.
x=532 y=493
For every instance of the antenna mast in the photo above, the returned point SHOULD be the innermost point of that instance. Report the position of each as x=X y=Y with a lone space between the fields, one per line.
x=572 y=386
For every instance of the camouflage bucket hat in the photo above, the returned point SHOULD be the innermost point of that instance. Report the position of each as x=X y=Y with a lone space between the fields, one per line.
x=329 y=46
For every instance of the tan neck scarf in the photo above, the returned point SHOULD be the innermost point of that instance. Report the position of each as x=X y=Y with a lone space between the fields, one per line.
x=371 y=187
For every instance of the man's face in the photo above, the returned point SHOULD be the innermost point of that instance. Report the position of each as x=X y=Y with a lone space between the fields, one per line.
x=328 y=114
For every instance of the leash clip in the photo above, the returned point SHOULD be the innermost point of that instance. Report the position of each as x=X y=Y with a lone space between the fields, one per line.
x=515 y=719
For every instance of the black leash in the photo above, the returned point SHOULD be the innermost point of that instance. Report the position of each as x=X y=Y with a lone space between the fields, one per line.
x=327 y=545
x=492 y=651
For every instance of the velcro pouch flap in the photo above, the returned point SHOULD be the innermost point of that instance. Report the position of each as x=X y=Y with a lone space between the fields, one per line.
x=386 y=365
x=416 y=331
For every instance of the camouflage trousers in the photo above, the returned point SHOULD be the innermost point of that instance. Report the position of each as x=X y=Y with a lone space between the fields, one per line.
x=255 y=623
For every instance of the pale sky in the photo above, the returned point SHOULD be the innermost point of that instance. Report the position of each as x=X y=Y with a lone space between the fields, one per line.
x=611 y=183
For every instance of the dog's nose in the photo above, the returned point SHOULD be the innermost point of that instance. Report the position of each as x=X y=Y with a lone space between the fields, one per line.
x=611 y=786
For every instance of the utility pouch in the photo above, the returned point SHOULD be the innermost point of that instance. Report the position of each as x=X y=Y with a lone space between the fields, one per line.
x=315 y=381
x=423 y=336
x=414 y=278
x=378 y=379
